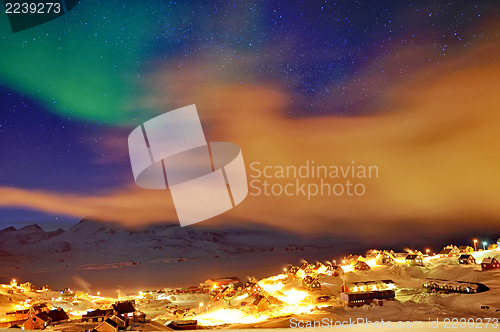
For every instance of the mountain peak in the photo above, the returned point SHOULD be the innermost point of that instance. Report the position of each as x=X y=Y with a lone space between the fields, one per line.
x=8 y=229
x=33 y=227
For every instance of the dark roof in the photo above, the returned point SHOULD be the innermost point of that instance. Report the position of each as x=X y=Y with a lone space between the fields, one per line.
x=463 y=247
x=111 y=322
x=123 y=307
x=98 y=313
x=412 y=256
x=258 y=299
x=445 y=251
x=58 y=315
x=488 y=260
x=465 y=256
x=381 y=294
x=43 y=316
x=360 y=263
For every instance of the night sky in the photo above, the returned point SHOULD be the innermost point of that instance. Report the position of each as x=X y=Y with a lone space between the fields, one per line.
x=406 y=85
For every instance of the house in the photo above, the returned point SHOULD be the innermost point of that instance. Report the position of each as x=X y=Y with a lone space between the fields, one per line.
x=37 y=322
x=292 y=271
x=43 y=319
x=252 y=286
x=352 y=259
x=448 y=286
x=97 y=315
x=38 y=308
x=414 y=259
x=308 y=268
x=362 y=298
x=449 y=251
x=120 y=321
x=125 y=308
x=364 y=286
x=362 y=266
x=372 y=253
x=261 y=302
x=466 y=259
x=465 y=249
x=492 y=246
x=126 y=311
x=445 y=253
x=326 y=269
x=225 y=293
x=337 y=271
x=58 y=315
x=183 y=324
x=318 y=268
x=108 y=325
x=490 y=263
x=27 y=286
x=311 y=283
x=385 y=257
x=17 y=315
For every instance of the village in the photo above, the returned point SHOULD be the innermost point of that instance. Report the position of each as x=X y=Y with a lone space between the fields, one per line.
x=379 y=280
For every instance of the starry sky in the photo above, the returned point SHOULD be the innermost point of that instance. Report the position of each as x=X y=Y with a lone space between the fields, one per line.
x=406 y=85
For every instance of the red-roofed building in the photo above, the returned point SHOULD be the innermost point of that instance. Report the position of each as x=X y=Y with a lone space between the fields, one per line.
x=490 y=263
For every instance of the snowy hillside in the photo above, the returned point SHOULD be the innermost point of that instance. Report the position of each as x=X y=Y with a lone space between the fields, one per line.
x=97 y=243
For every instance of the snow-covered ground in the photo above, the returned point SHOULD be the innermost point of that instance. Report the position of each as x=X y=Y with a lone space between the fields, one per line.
x=295 y=305
x=412 y=303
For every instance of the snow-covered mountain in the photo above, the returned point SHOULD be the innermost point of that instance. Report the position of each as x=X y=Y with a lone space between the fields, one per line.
x=93 y=242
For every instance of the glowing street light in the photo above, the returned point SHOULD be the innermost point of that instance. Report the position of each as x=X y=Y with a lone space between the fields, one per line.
x=201 y=305
x=208 y=306
x=475 y=243
x=427 y=251
x=484 y=244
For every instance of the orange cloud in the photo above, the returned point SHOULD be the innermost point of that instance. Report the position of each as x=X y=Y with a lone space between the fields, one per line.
x=131 y=205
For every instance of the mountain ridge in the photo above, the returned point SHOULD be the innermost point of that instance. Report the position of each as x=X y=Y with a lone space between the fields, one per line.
x=93 y=242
